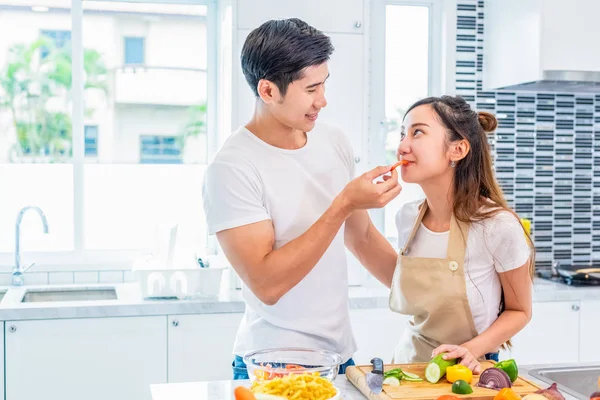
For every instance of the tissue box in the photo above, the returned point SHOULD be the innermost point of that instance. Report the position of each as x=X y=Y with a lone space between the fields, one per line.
x=157 y=281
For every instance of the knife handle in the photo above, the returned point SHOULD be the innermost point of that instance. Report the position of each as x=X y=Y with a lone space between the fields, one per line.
x=377 y=366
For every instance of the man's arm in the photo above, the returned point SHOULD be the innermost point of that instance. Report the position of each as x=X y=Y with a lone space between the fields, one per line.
x=272 y=273
x=371 y=248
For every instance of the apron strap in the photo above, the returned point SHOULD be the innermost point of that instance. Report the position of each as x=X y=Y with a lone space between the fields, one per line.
x=415 y=228
x=457 y=241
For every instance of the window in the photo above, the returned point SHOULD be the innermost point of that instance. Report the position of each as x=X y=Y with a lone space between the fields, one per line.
x=160 y=150
x=153 y=125
x=91 y=140
x=134 y=50
x=36 y=132
x=403 y=56
x=58 y=40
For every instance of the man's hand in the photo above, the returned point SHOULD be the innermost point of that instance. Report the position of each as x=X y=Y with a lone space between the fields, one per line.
x=363 y=193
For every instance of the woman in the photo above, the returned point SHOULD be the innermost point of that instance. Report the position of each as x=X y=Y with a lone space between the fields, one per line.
x=465 y=268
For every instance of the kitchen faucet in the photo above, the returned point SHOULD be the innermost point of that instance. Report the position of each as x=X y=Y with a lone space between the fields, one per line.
x=18 y=271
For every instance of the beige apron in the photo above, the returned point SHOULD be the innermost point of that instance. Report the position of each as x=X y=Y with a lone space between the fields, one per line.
x=434 y=292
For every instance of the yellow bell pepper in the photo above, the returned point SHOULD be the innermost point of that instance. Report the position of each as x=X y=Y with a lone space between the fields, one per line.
x=458 y=372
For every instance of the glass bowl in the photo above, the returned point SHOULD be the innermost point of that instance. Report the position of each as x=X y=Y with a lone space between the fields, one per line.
x=275 y=363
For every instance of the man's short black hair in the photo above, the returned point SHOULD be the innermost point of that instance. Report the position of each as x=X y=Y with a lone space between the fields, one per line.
x=279 y=50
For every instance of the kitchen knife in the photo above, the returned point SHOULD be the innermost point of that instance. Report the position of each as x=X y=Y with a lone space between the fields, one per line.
x=375 y=377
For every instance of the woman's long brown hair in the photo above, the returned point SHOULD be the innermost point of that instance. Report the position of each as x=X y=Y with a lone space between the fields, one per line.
x=476 y=193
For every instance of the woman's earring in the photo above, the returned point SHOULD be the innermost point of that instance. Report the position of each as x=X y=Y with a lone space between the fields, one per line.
x=453 y=164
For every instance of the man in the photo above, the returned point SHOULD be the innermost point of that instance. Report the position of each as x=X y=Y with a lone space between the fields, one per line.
x=278 y=193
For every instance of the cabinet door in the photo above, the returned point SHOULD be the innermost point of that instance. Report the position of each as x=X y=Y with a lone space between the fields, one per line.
x=552 y=335
x=377 y=331
x=327 y=16
x=91 y=359
x=589 y=325
x=201 y=346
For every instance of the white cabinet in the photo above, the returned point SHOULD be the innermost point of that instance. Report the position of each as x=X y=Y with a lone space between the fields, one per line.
x=91 y=359
x=589 y=326
x=545 y=36
x=345 y=92
x=377 y=331
x=327 y=16
x=201 y=346
x=551 y=337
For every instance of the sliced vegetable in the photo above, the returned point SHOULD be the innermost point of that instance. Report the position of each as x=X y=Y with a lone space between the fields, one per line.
x=510 y=367
x=458 y=372
x=447 y=397
x=494 y=378
x=507 y=394
x=392 y=381
x=551 y=393
x=411 y=377
x=595 y=395
x=461 y=387
x=401 y=375
x=293 y=366
x=396 y=373
x=243 y=393
x=436 y=369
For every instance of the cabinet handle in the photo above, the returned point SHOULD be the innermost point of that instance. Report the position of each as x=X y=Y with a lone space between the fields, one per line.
x=175 y=323
x=12 y=329
x=575 y=307
x=357 y=24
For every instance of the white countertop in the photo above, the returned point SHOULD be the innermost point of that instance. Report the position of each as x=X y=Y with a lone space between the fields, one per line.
x=129 y=301
x=223 y=390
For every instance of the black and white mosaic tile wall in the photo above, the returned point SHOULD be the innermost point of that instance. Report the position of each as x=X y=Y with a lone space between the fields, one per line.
x=546 y=149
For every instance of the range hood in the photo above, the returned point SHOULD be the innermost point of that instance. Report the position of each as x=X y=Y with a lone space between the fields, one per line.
x=542 y=45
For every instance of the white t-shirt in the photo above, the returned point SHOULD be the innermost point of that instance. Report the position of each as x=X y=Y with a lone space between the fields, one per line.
x=250 y=181
x=494 y=245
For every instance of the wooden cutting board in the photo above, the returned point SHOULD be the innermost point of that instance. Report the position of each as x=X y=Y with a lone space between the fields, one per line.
x=425 y=390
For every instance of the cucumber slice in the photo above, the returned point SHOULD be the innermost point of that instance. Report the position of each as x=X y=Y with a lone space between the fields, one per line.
x=411 y=377
x=436 y=369
x=392 y=381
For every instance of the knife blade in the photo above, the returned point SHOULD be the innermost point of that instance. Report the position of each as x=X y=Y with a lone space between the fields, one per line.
x=375 y=377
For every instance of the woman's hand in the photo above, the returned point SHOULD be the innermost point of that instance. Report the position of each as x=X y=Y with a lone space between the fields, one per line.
x=466 y=358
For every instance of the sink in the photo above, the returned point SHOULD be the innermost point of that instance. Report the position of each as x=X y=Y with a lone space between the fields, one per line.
x=53 y=295
x=579 y=382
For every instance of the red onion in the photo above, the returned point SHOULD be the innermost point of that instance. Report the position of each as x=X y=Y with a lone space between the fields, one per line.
x=494 y=378
x=551 y=393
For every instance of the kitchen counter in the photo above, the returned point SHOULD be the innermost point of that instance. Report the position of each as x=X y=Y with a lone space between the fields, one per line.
x=129 y=301
x=223 y=390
